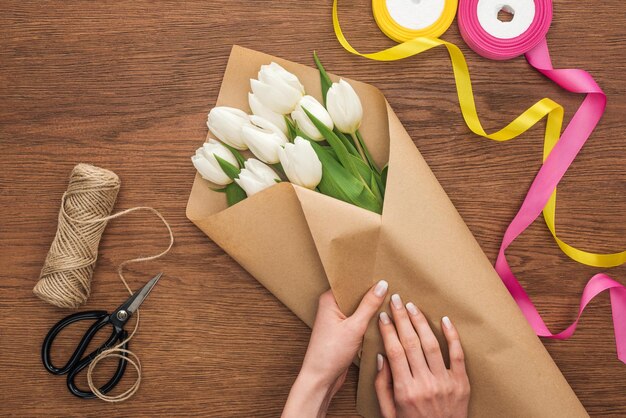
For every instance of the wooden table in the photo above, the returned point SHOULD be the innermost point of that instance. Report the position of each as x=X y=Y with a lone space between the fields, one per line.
x=127 y=85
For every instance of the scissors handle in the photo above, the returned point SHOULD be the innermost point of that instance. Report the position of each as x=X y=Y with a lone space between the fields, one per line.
x=117 y=376
x=101 y=319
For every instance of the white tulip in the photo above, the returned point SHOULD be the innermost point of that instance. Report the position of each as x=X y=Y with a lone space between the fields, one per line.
x=225 y=123
x=301 y=164
x=256 y=176
x=314 y=107
x=264 y=139
x=344 y=106
x=277 y=88
x=207 y=165
x=259 y=109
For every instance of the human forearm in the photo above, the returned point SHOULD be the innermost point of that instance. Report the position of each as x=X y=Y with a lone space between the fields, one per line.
x=308 y=398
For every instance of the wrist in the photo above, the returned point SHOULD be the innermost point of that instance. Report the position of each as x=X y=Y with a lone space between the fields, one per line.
x=308 y=396
x=314 y=383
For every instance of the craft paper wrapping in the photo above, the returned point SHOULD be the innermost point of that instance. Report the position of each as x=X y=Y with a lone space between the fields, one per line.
x=297 y=243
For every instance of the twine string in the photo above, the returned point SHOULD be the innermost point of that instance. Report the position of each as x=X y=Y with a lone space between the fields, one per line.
x=117 y=351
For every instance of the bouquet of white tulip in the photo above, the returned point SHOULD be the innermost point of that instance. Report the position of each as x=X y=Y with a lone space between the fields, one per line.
x=313 y=145
x=298 y=242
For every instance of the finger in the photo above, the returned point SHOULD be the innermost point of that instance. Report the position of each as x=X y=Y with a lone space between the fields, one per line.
x=457 y=357
x=408 y=337
x=398 y=362
x=384 y=388
x=369 y=305
x=430 y=345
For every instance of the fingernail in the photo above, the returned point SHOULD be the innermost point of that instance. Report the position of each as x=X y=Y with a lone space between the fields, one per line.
x=446 y=322
x=396 y=301
x=379 y=361
x=411 y=308
x=384 y=318
x=381 y=288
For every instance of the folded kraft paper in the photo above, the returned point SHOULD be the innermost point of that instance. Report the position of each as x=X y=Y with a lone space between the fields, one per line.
x=298 y=243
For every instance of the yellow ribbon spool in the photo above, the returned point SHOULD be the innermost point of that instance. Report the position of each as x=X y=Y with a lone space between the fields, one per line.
x=413 y=42
x=399 y=33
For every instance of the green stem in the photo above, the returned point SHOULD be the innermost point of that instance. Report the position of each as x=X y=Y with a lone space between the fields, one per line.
x=279 y=168
x=291 y=128
x=359 y=146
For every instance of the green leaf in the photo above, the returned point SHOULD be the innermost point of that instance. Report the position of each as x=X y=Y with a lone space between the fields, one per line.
x=234 y=194
x=336 y=180
x=364 y=170
x=383 y=175
x=368 y=156
x=301 y=134
x=230 y=170
x=375 y=187
x=368 y=201
x=325 y=80
x=347 y=142
x=331 y=152
x=291 y=129
x=236 y=153
x=339 y=183
x=222 y=190
x=333 y=140
x=380 y=183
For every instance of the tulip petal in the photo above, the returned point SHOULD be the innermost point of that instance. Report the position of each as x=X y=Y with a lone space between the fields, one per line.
x=260 y=109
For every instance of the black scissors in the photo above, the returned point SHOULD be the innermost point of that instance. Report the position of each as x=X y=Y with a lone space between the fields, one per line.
x=77 y=362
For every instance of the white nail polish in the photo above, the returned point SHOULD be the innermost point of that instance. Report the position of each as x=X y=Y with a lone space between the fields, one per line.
x=411 y=308
x=381 y=288
x=446 y=322
x=384 y=318
x=379 y=361
x=396 y=301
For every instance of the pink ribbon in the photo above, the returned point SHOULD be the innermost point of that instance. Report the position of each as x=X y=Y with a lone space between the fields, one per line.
x=533 y=44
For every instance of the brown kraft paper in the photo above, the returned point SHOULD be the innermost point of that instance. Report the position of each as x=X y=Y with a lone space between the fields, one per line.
x=298 y=243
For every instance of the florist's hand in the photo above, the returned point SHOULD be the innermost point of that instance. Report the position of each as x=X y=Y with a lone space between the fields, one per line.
x=414 y=381
x=335 y=341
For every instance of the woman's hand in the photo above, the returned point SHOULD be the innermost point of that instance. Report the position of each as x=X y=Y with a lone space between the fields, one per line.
x=335 y=341
x=413 y=381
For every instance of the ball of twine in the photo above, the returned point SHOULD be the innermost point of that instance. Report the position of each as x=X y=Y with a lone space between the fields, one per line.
x=65 y=278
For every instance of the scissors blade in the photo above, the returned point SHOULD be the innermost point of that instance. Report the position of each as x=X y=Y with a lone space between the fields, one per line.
x=133 y=303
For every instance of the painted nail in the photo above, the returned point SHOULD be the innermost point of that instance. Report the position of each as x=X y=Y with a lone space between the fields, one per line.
x=384 y=318
x=446 y=322
x=396 y=301
x=381 y=288
x=411 y=308
x=379 y=361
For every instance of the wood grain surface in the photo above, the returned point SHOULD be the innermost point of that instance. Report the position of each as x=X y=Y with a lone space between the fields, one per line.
x=126 y=85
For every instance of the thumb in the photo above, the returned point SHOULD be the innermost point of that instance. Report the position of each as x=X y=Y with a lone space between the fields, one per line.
x=370 y=304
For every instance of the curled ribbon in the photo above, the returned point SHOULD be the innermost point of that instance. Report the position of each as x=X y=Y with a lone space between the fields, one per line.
x=542 y=193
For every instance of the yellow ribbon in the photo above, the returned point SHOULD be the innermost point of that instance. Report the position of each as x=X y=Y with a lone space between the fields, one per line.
x=414 y=42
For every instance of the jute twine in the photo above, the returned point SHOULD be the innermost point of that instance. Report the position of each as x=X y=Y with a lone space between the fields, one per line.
x=65 y=279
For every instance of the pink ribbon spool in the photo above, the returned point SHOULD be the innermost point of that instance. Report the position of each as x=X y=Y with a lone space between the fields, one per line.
x=495 y=48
